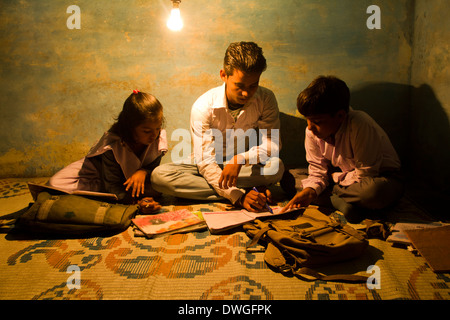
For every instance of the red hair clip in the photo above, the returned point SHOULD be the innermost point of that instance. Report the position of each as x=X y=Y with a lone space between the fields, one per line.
x=135 y=91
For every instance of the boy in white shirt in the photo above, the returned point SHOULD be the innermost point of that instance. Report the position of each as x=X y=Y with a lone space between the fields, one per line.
x=351 y=159
x=235 y=130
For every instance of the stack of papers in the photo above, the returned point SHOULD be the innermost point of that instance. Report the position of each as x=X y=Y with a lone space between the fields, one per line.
x=398 y=232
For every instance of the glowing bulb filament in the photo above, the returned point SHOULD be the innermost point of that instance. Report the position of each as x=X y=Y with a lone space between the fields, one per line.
x=175 y=23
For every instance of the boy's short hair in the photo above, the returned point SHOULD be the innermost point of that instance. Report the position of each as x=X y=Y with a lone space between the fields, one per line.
x=244 y=56
x=324 y=95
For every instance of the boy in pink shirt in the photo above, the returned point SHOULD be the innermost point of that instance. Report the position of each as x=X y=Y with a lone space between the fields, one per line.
x=352 y=162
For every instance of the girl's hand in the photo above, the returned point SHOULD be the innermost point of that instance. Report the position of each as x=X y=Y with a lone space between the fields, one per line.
x=148 y=205
x=137 y=183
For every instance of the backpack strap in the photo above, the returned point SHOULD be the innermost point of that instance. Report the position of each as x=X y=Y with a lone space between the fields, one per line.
x=285 y=262
x=308 y=274
x=361 y=236
x=258 y=235
x=101 y=212
x=311 y=275
x=44 y=209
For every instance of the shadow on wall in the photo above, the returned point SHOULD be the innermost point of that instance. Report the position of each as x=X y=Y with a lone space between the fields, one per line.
x=389 y=105
x=419 y=129
x=430 y=135
x=292 y=135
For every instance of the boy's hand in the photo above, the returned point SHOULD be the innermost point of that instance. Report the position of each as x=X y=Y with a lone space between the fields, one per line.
x=230 y=173
x=256 y=201
x=301 y=199
x=137 y=183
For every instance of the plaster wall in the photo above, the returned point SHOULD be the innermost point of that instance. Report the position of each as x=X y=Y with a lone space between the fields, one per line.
x=62 y=88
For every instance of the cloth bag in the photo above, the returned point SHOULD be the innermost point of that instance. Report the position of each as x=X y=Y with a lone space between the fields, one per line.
x=308 y=241
x=75 y=215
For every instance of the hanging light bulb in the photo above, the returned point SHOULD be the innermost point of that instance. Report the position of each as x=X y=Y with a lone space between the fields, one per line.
x=174 y=22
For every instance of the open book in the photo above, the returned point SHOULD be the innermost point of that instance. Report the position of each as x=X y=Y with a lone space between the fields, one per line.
x=35 y=189
x=223 y=220
x=169 y=222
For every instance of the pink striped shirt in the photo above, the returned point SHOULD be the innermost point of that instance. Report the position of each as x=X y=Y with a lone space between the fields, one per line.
x=362 y=148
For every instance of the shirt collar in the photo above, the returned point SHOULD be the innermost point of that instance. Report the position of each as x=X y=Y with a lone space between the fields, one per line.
x=221 y=99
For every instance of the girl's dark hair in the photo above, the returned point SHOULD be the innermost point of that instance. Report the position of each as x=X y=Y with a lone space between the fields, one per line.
x=324 y=95
x=244 y=56
x=137 y=108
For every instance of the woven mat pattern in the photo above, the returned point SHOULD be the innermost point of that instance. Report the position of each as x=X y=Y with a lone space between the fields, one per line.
x=191 y=266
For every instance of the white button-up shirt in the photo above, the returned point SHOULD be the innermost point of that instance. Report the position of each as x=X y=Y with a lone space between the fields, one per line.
x=362 y=148
x=214 y=131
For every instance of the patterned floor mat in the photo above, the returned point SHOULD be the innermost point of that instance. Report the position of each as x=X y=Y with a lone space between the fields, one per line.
x=191 y=266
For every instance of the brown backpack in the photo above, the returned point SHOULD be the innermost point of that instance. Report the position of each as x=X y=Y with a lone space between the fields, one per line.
x=305 y=240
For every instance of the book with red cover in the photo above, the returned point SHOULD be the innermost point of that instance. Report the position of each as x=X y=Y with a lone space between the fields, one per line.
x=168 y=222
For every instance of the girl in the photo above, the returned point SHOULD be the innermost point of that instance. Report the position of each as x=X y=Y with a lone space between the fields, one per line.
x=123 y=159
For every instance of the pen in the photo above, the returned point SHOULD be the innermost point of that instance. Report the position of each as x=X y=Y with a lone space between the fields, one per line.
x=267 y=206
